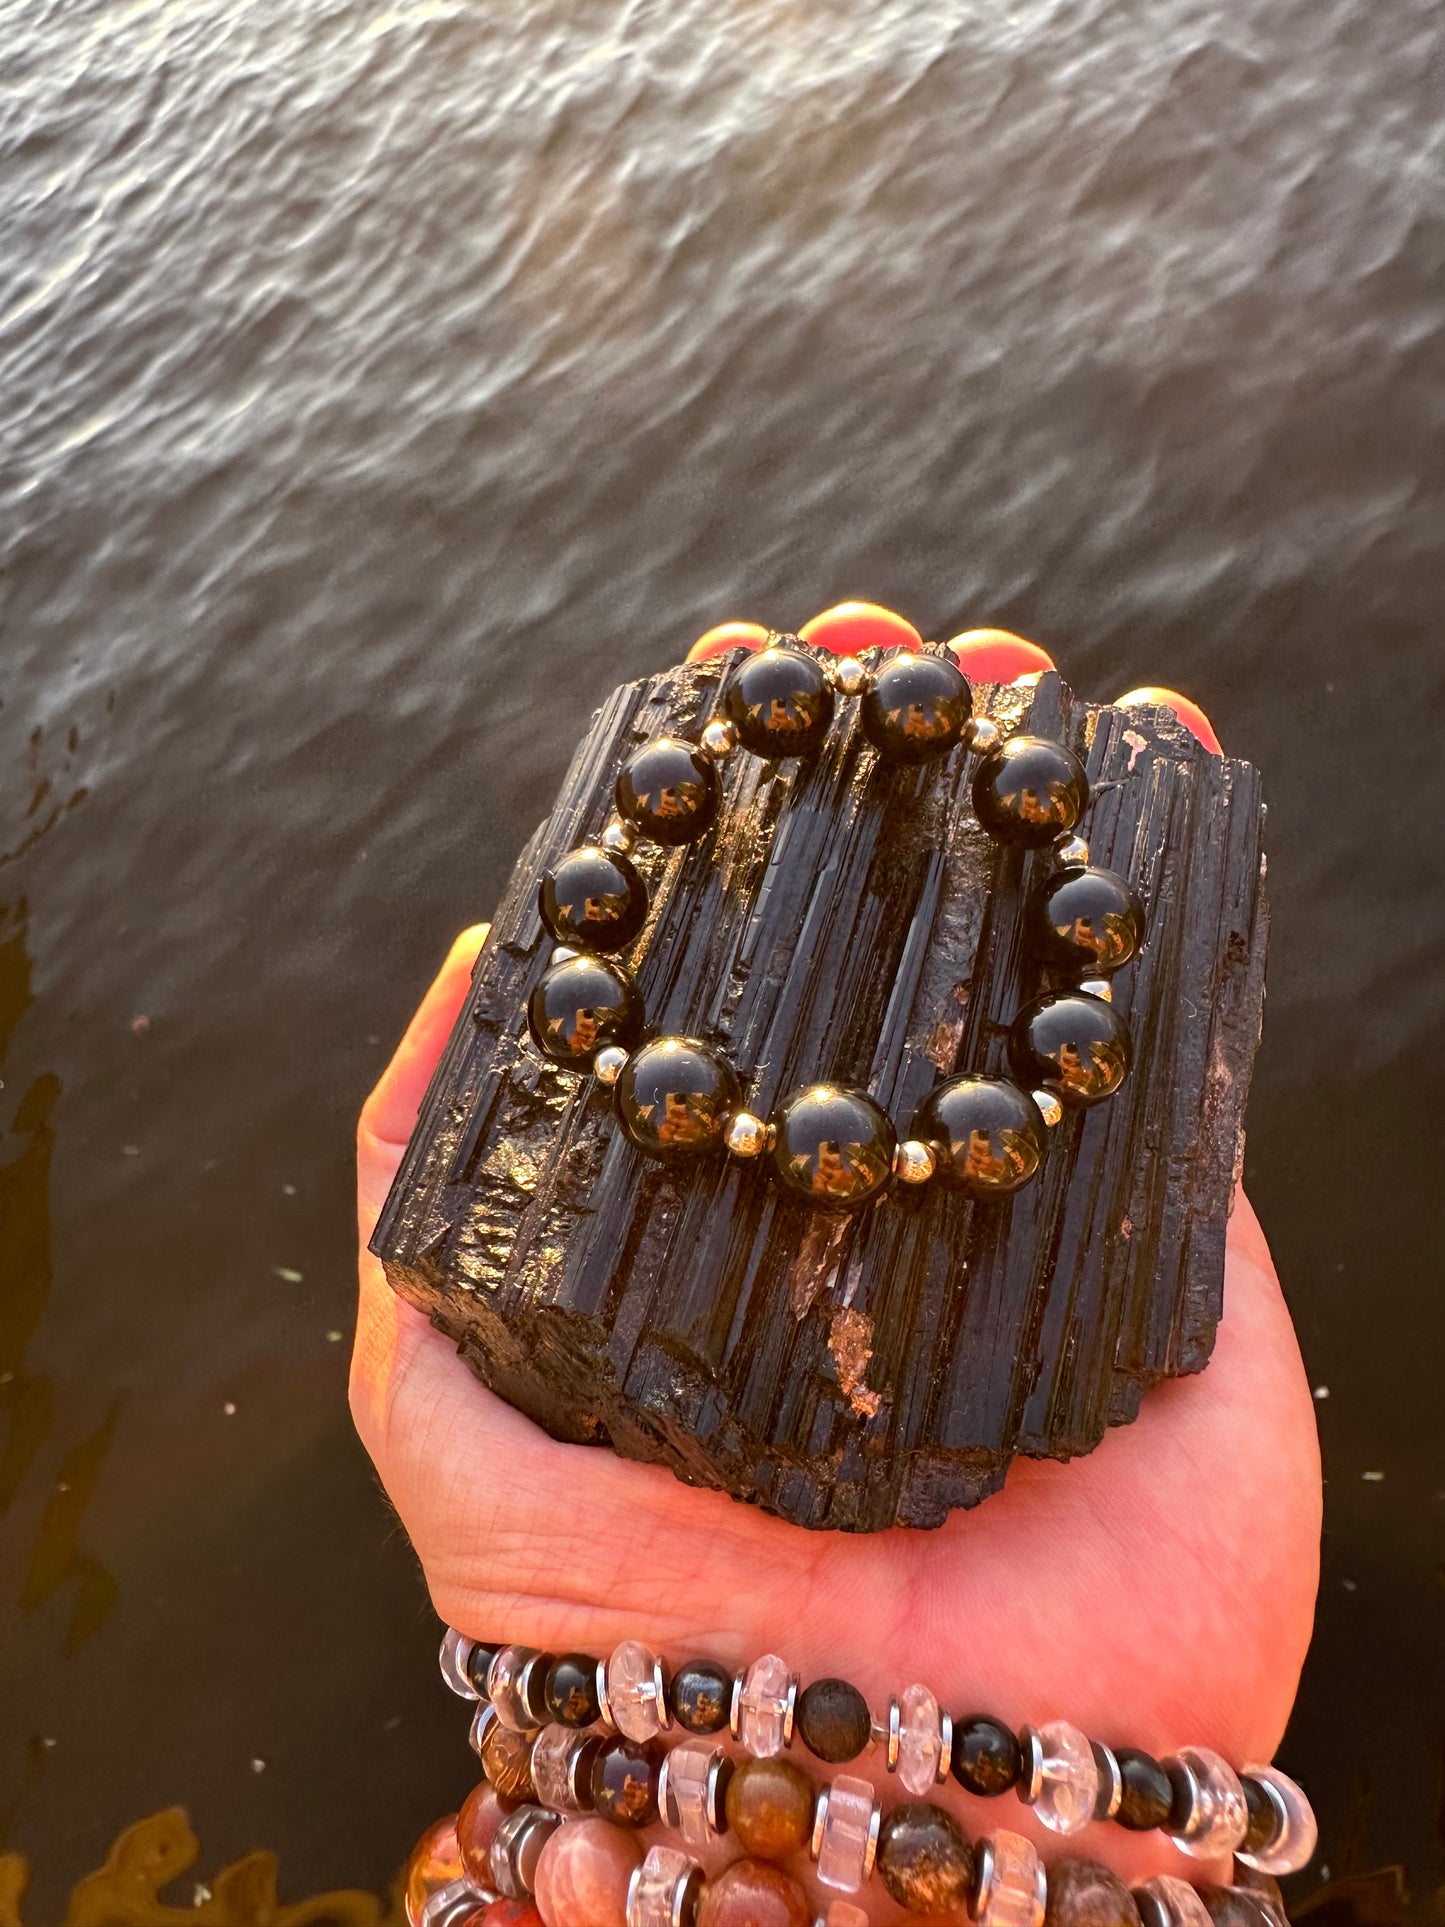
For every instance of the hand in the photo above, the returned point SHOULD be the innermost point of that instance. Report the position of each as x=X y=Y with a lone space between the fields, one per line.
x=1157 y=1593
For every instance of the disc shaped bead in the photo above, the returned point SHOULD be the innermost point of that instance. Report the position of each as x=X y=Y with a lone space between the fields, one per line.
x=845 y=1833
x=701 y=1696
x=761 y=1721
x=593 y=898
x=986 y=1134
x=986 y=1755
x=668 y=790
x=562 y=1768
x=1076 y=1044
x=634 y=1691
x=917 y=707
x=624 y=1781
x=1067 y=1783
x=833 y=1720
x=1215 y=1816
x=664 y=1890
x=920 y=1739
x=694 y=1774
x=572 y=1690
x=675 y=1097
x=1285 y=1840
x=924 y=1859
x=833 y=1146
x=1088 y=919
x=455 y=1657
x=504 y=1688
x=780 y=702
x=580 y=1005
x=1029 y=790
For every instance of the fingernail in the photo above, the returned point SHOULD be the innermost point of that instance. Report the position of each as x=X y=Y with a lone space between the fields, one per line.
x=727 y=635
x=850 y=627
x=998 y=655
x=1189 y=713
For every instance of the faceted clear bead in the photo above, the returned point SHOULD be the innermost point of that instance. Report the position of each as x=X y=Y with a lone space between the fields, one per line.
x=503 y=1688
x=652 y=1895
x=689 y=1768
x=762 y=1706
x=455 y=1652
x=1012 y=1892
x=1068 y=1777
x=845 y=1836
x=553 y=1752
x=637 y=1707
x=1181 y=1905
x=920 y=1740
x=1294 y=1845
x=1219 y=1818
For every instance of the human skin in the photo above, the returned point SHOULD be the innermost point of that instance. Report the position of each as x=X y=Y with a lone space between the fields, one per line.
x=1157 y=1593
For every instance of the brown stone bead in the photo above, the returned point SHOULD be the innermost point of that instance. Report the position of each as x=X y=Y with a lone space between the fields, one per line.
x=507 y=1762
x=1237 y=1907
x=770 y=1807
x=924 y=1859
x=624 y=1781
x=435 y=1862
x=1263 y=1884
x=1084 y=1894
x=753 y=1893
x=483 y=1812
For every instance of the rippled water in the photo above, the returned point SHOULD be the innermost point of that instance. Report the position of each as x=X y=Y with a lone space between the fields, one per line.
x=377 y=387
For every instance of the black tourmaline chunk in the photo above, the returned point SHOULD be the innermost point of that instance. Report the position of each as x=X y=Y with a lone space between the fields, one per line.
x=572 y=1690
x=668 y=791
x=593 y=899
x=987 y=1757
x=780 y=701
x=833 y=1720
x=675 y=1096
x=1088 y=919
x=1030 y=790
x=701 y=1696
x=1147 y=1795
x=917 y=707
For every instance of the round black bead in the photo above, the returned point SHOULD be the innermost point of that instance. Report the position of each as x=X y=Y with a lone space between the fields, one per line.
x=1088 y=919
x=668 y=790
x=572 y=1690
x=1183 y=1796
x=479 y=1664
x=675 y=1096
x=701 y=1696
x=1029 y=790
x=833 y=1720
x=986 y=1134
x=1235 y=1906
x=1147 y=1795
x=579 y=1006
x=1263 y=1823
x=780 y=702
x=834 y=1146
x=924 y=1858
x=624 y=1781
x=593 y=899
x=1073 y=1044
x=916 y=708
x=987 y=1757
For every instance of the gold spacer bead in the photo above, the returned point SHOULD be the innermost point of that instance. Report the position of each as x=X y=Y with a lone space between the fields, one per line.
x=1050 y=1108
x=607 y=1064
x=1070 y=850
x=982 y=734
x=1099 y=987
x=618 y=836
x=747 y=1136
x=914 y=1162
x=849 y=676
x=719 y=740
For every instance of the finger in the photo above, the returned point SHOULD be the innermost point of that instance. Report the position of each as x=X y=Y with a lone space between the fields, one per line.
x=1188 y=712
x=724 y=636
x=389 y=1113
x=850 y=627
x=997 y=655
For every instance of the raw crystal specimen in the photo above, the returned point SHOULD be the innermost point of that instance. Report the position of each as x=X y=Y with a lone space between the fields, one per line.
x=849 y=921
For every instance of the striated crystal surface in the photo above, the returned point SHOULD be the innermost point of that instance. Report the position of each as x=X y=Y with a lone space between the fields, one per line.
x=1010 y=1897
x=632 y=1690
x=519 y=1190
x=1293 y=1846
x=1219 y=1818
x=1069 y=1784
x=845 y=1848
x=920 y=1740
x=763 y=1706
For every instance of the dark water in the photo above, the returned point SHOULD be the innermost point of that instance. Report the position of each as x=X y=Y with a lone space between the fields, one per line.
x=380 y=386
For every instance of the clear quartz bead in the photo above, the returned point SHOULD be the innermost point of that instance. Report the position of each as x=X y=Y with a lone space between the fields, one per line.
x=687 y=1796
x=503 y=1688
x=1219 y=1817
x=762 y=1706
x=1068 y=1777
x=1293 y=1846
x=634 y=1695
x=553 y=1751
x=845 y=1835
x=456 y=1651
x=1012 y=1888
x=920 y=1740
x=1181 y=1905
x=655 y=1892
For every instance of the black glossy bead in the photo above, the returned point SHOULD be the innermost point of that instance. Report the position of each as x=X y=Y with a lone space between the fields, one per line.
x=987 y=1758
x=701 y=1696
x=986 y=1134
x=833 y=1720
x=924 y=1859
x=624 y=1781
x=579 y=1006
x=1147 y=1795
x=593 y=899
x=780 y=702
x=572 y=1690
x=834 y=1146
x=1088 y=919
x=1264 y=1824
x=1235 y=1906
x=668 y=790
x=533 y=1693
x=1072 y=1043
x=479 y=1662
x=674 y=1097
x=1029 y=790
x=916 y=708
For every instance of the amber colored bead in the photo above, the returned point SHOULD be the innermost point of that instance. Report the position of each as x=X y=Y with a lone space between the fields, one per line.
x=668 y=790
x=780 y=702
x=833 y=1146
x=572 y=1690
x=1072 y=1043
x=675 y=1096
x=1235 y=1906
x=770 y=1807
x=624 y=1781
x=987 y=1758
x=507 y=1761
x=700 y=1695
x=753 y=1893
x=580 y=1005
x=916 y=708
x=1083 y=1894
x=435 y=1862
x=924 y=1858
x=1147 y=1795
x=1029 y=790
x=593 y=899
x=1088 y=919
x=833 y=1720
x=987 y=1135
x=482 y=1813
